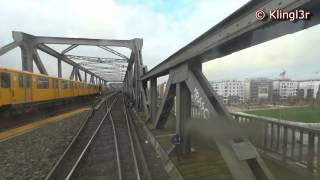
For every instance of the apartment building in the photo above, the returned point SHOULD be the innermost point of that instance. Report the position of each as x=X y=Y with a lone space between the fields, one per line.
x=257 y=89
x=308 y=88
x=285 y=88
x=229 y=91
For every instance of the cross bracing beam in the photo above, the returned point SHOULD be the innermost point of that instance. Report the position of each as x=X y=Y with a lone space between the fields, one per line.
x=9 y=47
x=39 y=63
x=93 y=64
x=239 y=31
x=56 y=54
x=114 y=52
x=93 y=67
x=69 y=48
x=97 y=59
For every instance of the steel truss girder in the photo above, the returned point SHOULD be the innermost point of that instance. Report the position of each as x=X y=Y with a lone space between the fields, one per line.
x=94 y=63
x=97 y=59
x=20 y=36
x=69 y=48
x=153 y=99
x=114 y=52
x=239 y=31
x=93 y=67
x=166 y=104
x=9 y=47
x=29 y=45
x=233 y=143
x=54 y=53
x=39 y=63
x=145 y=103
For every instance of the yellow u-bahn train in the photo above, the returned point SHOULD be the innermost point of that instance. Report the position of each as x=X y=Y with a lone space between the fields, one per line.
x=22 y=88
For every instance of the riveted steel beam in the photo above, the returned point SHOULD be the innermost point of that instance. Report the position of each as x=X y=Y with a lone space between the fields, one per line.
x=59 y=68
x=69 y=48
x=239 y=31
x=29 y=43
x=183 y=115
x=9 y=47
x=39 y=63
x=97 y=59
x=166 y=104
x=114 y=52
x=56 y=54
x=76 y=41
x=240 y=155
x=153 y=98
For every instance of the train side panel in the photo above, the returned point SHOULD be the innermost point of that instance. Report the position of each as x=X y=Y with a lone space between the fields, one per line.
x=5 y=88
x=18 y=87
x=42 y=89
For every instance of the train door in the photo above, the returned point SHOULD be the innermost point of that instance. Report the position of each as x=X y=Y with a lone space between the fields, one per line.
x=19 y=88
x=23 y=92
x=27 y=87
x=72 y=88
x=76 y=89
x=16 y=92
x=5 y=88
x=55 y=87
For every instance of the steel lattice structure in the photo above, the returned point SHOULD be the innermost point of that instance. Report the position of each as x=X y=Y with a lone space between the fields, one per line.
x=93 y=66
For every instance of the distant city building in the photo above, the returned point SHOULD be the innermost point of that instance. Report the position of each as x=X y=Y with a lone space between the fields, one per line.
x=258 y=89
x=285 y=88
x=229 y=91
x=308 y=88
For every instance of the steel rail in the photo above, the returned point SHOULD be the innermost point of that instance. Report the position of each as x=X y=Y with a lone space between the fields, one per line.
x=131 y=142
x=72 y=142
x=90 y=141
x=144 y=165
x=69 y=146
x=116 y=147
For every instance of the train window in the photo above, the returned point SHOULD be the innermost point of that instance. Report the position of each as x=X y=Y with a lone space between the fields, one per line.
x=65 y=84
x=5 y=80
x=55 y=83
x=42 y=83
x=24 y=81
x=71 y=84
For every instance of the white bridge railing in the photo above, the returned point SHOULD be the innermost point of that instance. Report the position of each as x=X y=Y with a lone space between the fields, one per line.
x=292 y=143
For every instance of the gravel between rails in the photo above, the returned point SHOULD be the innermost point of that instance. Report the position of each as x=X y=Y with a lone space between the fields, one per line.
x=32 y=155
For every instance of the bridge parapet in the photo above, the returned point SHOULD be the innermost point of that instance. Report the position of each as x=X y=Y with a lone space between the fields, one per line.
x=293 y=144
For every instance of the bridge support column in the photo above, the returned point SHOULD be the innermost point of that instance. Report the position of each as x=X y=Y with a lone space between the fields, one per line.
x=27 y=57
x=183 y=116
x=59 y=68
x=153 y=99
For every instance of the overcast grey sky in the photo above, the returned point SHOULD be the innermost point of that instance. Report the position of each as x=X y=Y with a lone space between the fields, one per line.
x=165 y=26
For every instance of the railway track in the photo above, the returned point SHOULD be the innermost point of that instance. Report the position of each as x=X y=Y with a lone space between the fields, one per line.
x=74 y=152
x=112 y=151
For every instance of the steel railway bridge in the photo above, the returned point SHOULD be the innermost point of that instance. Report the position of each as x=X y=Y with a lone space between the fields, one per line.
x=241 y=140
